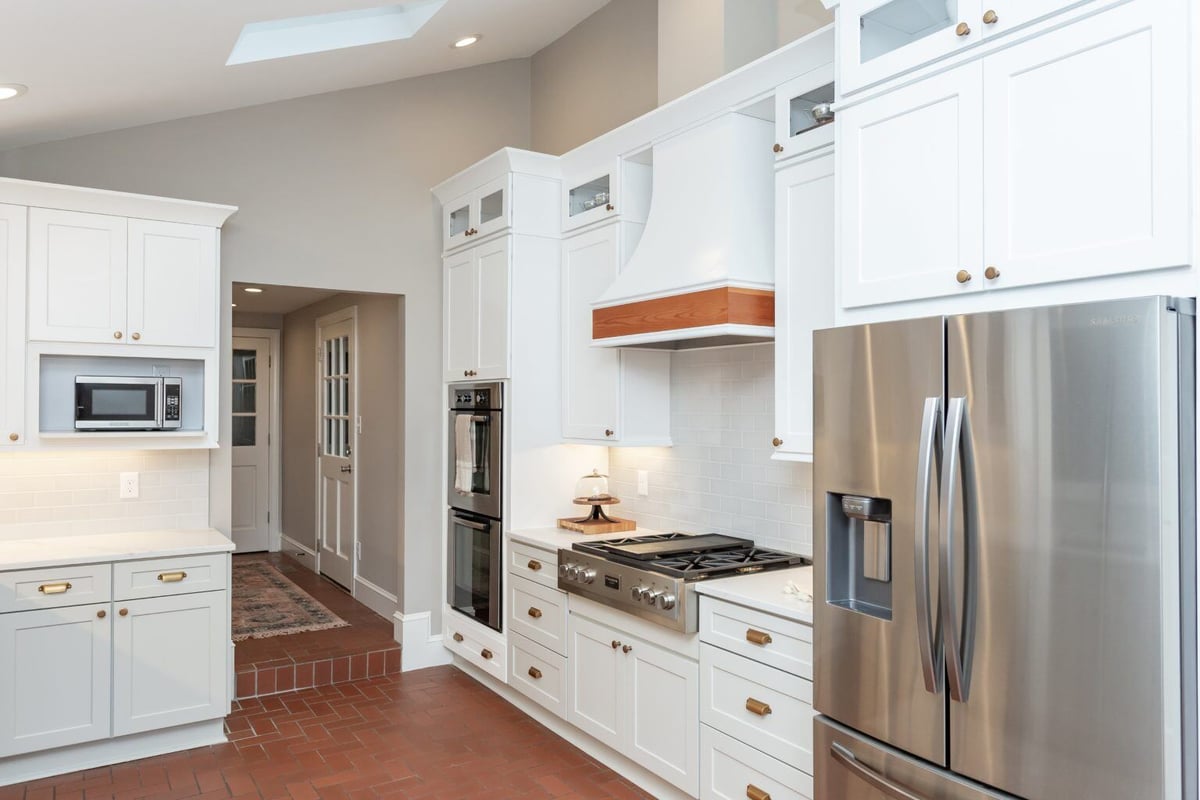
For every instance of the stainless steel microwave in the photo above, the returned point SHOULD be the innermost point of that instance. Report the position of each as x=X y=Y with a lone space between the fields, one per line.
x=108 y=403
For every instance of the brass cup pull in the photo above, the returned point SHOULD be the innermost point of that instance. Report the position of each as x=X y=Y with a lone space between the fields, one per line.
x=757 y=637
x=536 y=613
x=458 y=637
x=54 y=588
x=757 y=707
x=117 y=334
x=963 y=276
x=991 y=273
x=778 y=148
x=963 y=29
x=124 y=612
x=12 y=437
x=615 y=644
x=776 y=442
x=172 y=577
x=535 y=673
x=990 y=17
x=101 y=614
x=626 y=648
x=755 y=793
x=534 y=565
x=486 y=653
x=136 y=336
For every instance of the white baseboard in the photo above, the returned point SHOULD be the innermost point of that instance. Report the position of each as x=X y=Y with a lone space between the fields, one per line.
x=381 y=601
x=610 y=758
x=302 y=553
x=43 y=764
x=420 y=647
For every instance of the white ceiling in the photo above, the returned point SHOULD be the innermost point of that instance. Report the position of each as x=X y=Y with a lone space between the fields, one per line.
x=97 y=66
x=277 y=299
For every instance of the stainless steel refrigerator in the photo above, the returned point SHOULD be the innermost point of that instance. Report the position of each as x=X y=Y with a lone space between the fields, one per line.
x=1005 y=555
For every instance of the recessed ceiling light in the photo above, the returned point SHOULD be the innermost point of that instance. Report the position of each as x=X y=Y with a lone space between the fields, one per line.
x=235 y=305
x=467 y=41
x=253 y=290
x=10 y=90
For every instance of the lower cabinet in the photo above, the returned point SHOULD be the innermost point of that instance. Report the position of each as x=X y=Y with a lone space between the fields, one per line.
x=733 y=770
x=637 y=698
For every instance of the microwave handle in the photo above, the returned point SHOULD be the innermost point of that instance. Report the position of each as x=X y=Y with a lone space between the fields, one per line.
x=479 y=526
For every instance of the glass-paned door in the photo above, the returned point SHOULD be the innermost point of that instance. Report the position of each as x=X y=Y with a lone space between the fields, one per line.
x=336 y=418
x=250 y=437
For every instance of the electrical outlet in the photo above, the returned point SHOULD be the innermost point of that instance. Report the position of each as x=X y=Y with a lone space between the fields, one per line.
x=129 y=485
x=643 y=483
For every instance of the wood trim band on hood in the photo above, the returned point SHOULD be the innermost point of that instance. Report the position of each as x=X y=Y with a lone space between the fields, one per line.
x=722 y=306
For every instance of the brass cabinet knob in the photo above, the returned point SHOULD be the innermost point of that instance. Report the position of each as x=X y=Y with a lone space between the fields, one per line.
x=486 y=653
x=536 y=613
x=776 y=441
x=990 y=17
x=615 y=644
x=991 y=273
x=963 y=276
x=124 y=612
x=626 y=648
x=117 y=334
x=608 y=431
x=963 y=29
x=101 y=614
x=458 y=637
x=757 y=707
x=136 y=336
x=535 y=673
x=778 y=148
x=12 y=437
x=534 y=565
x=610 y=207
x=755 y=793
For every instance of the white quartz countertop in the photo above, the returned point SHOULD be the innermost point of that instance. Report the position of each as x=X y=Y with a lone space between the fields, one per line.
x=66 y=550
x=765 y=591
x=554 y=538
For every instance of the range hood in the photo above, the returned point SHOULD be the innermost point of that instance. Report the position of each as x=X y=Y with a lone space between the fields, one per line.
x=703 y=274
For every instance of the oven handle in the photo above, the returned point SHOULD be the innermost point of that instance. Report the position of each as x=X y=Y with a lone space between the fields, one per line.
x=479 y=526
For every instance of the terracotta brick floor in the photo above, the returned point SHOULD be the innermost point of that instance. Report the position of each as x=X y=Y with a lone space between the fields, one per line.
x=284 y=663
x=433 y=734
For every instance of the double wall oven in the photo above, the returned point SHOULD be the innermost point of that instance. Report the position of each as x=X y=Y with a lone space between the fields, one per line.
x=474 y=492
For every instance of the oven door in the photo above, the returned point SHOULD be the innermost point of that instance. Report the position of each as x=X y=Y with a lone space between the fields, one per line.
x=473 y=582
x=118 y=403
x=474 y=480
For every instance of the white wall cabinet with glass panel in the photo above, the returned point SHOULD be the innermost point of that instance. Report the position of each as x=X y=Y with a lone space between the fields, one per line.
x=500 y=202
x=617 y=189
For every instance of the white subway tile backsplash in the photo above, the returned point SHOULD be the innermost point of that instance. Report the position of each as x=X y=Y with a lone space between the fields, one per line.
x=64 y=494
x=719 y=476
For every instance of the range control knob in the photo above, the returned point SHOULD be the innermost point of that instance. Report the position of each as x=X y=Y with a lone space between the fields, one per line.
x=572 y=572
x=587 y=575
x=562 y=570
x=637 y=592
x=666 y=601
x=651 y=596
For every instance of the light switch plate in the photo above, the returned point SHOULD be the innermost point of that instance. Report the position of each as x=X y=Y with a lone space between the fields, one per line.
x=643 y=478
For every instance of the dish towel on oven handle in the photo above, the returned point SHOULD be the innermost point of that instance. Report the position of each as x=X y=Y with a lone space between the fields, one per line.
x=464 y=453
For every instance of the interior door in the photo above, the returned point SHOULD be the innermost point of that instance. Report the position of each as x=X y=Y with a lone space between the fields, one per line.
x=876 y=393
x=172 y=283
x=1065 y=550
x=251 y=443
x=338 y=414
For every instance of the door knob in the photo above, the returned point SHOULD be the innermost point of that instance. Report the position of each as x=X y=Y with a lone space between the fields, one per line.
x=991 y=273
x=963 y=276
x=12 y=437
x=626 y=648
x=124 y=612
x=778 y=148
x=117 y=334
x=990 y=17
x=615 y=644
x=610 y=207
x=608 y=432
x=346 y=468
x=102 y=613
x=136 y=336
x=776 y=441
x=963 y=29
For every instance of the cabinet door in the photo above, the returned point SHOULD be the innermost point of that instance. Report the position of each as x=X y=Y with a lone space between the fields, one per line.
x=912 y=191
x=460 y=315
x=55 y=674
x=591 y=375
x=1077 y=187
x=492 y=204
x=169 y=661
x=172 y=284
x=77 y=276
x=595 y=689
x=879 y=39
x=804 y=301
x=492 y=262
x=457 y=219
x=998 y=17
x=591 y=196
x=662 y=703
x=12 y=325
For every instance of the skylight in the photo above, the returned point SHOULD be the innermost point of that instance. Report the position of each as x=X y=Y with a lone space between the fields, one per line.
x=262 y=41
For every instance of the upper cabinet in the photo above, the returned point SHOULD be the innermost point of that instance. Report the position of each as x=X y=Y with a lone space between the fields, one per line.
x=880 y=39
x=476 y=214
x=12 y=325
x=1016 y=169
x=619 y=189
x=476 y=305
x=104 y=279
x=803 y=113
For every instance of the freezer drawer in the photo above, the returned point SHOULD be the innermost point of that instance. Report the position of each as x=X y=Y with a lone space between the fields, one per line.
x=850 y=766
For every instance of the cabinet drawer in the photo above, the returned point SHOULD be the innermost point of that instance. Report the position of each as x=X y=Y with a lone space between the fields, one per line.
x=732 y=770
x=539 y=566
x=538 y=613
x=55 y=587
x=158 y=577
x=538 y=674
x=777 y=642
x=483 y=653
x=731 y=685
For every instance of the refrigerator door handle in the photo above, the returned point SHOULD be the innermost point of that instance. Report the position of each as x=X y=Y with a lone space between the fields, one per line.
x=928 y=634
x=869 y=776
x=959 y=458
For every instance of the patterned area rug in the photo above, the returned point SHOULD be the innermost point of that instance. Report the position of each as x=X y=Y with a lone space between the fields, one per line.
x=265 y=604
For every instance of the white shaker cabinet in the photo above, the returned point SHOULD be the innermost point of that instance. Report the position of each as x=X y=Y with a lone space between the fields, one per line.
x=13 y=220
x=482 y=211
x=172 y=284
x=804 y=301
x=476 y=302
x=910 y=169
x=55 y=671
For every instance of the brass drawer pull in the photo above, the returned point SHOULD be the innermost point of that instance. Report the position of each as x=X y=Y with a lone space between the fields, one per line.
x=486 y=653
x=615 y=644
x=757 y=637
x=755 y=793
x=534 y=565
x=172 y=577
x=54 y=588
x=535 y=673
x=458 y=637
x=124 y=612
x=535 y=613
x=101 y=614
x=757 y=707
x=626 y=648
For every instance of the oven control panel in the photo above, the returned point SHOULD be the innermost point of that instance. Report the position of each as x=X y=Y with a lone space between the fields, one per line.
x=647 y=594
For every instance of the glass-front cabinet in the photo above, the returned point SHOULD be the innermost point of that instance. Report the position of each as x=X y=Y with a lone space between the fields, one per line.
x=475 y=214
x=590 y=197
x=803 y=113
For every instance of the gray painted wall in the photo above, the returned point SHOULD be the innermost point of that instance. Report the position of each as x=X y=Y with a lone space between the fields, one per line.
x=257 y=319
x=334 y=193
x=599 y=75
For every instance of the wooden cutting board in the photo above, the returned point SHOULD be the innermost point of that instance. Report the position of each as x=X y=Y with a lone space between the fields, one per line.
x=598 y=526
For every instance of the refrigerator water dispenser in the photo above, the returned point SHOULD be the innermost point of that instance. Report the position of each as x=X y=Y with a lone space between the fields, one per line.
x=859 y=550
